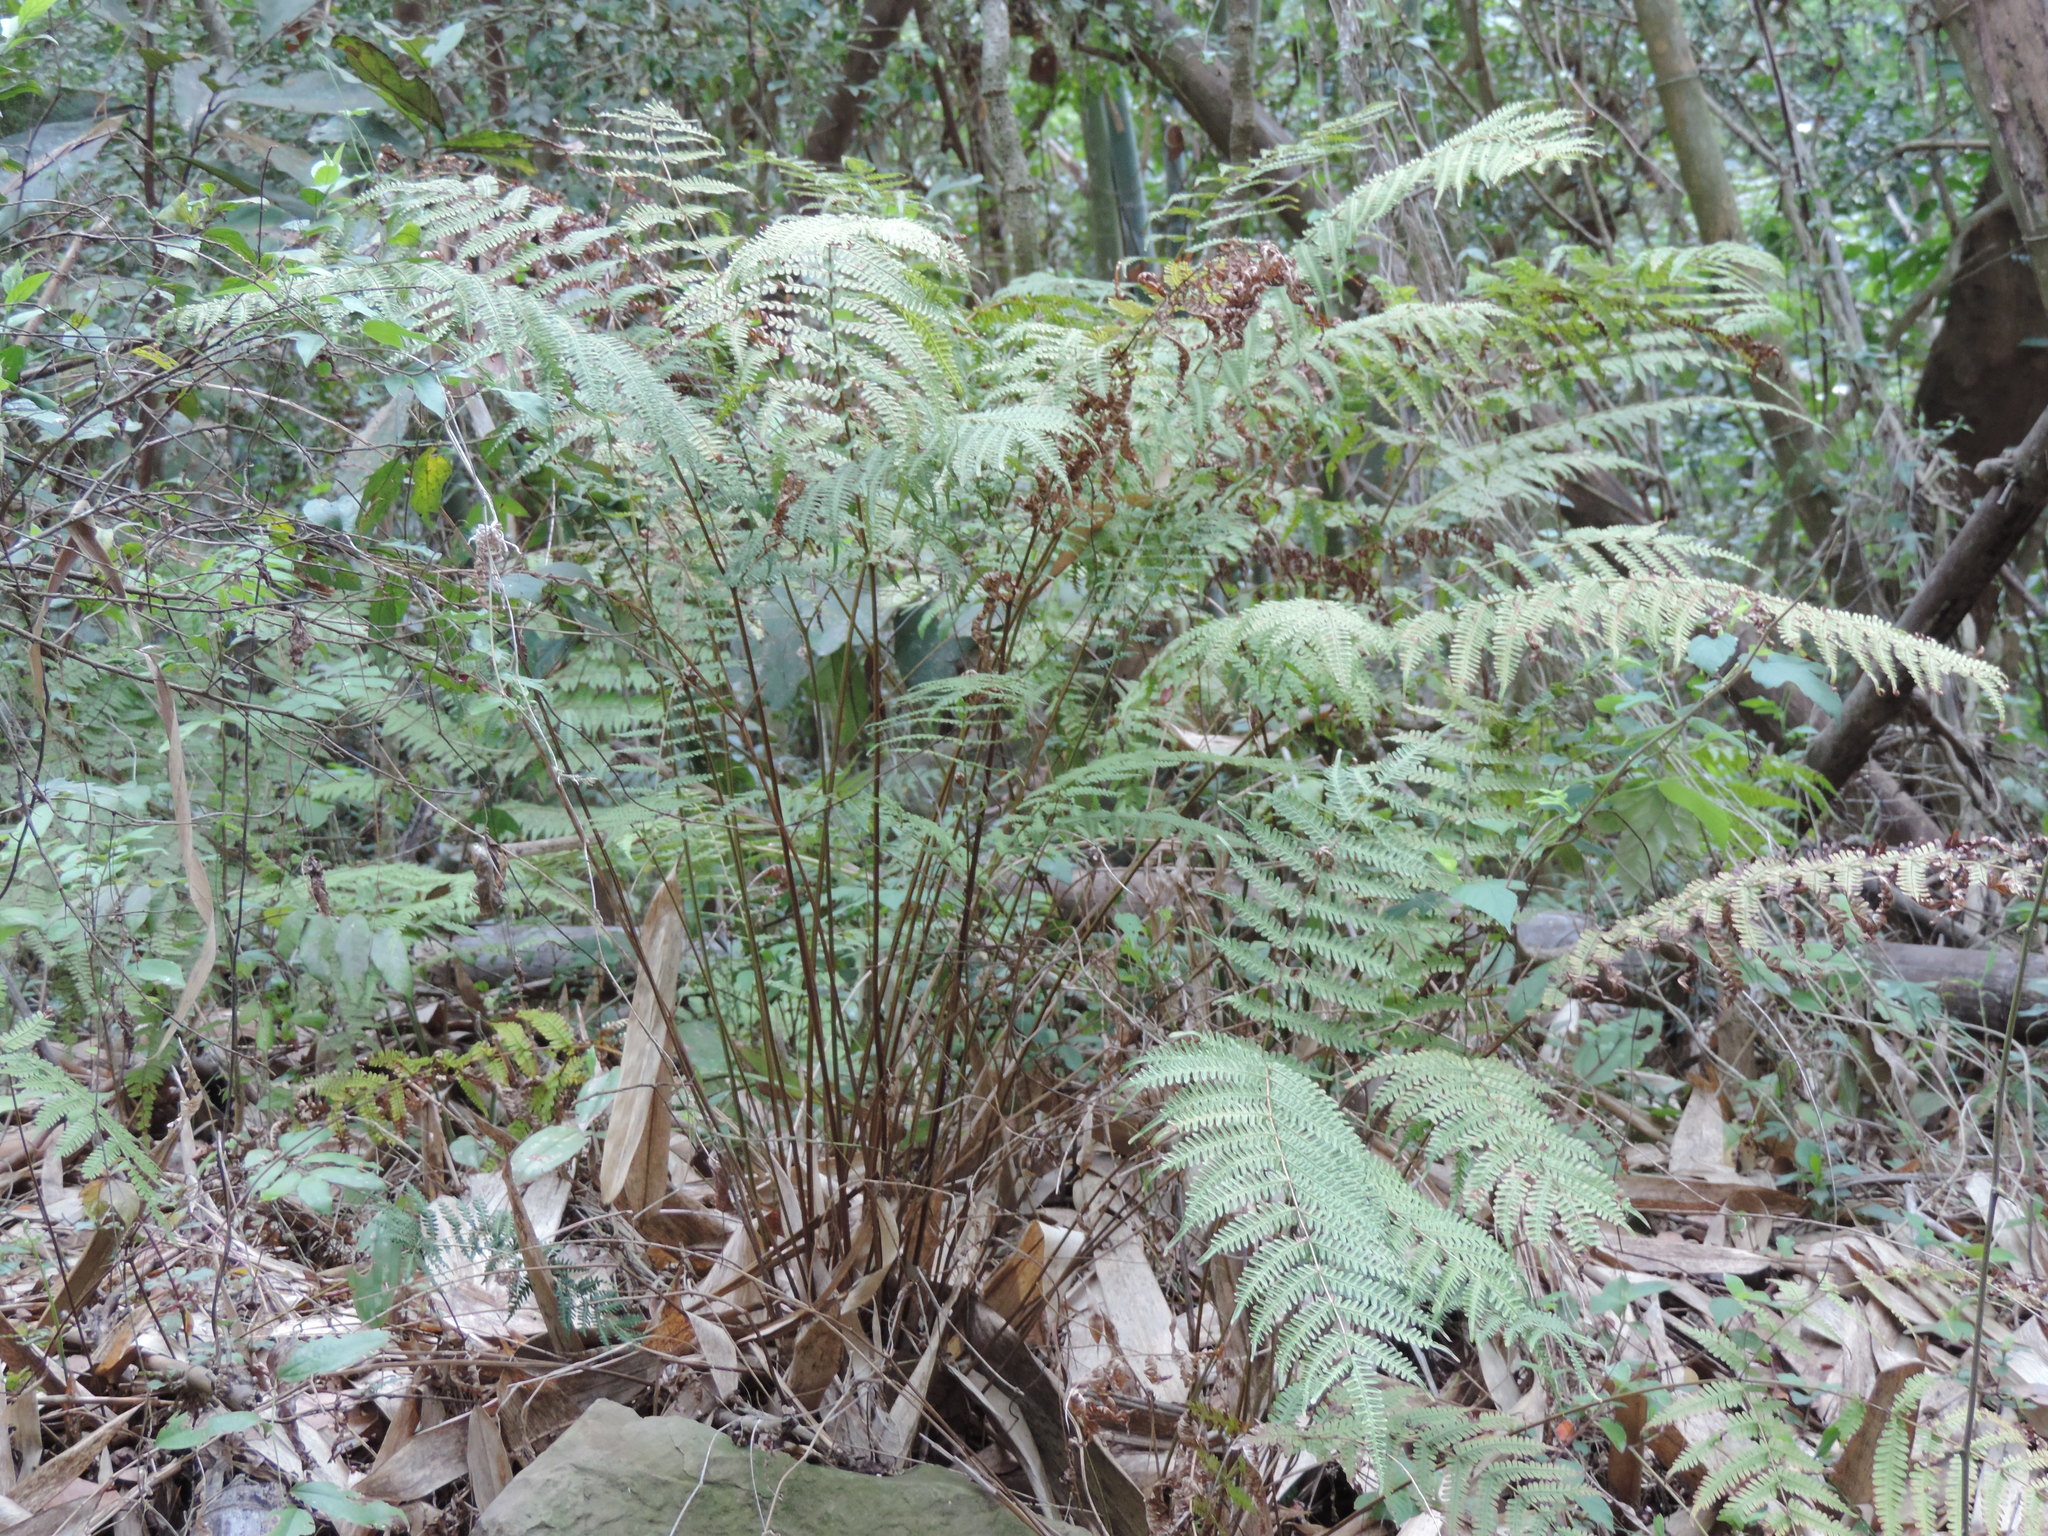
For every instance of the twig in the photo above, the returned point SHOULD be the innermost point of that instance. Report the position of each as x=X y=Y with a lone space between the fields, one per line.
x=2012 y=1014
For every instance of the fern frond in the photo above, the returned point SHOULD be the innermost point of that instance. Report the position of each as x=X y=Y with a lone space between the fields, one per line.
x=1349 y=1266
x=1519 y=137
x=1509 y=1155
x=1742 y=901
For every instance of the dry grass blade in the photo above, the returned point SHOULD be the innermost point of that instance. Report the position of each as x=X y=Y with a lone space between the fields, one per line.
x=39 y=1490
x=198 y=887
x=635 y=1168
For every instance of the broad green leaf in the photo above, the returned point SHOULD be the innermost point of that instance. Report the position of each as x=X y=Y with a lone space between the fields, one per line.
x=430 y=473
x=1710 y=653
x=352 y=950
x=337 y=1352
x=345 y=1508
x=386 y=333
x=546 y=1149
x=1720 y=826
x=158 y=972
x=390 y=956
x=1495 y=898
x=414 y=98
x=181 y=1434
x=1776 y=670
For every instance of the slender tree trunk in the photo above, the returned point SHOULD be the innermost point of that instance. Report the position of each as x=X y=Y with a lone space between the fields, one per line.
x=1006 y=143
x=1244 y=62
x=2003 y=46
x=1134 y=217
x=1171 y=52
x=832 y=134
x=1476 y=64
x=1104 y=248
x=1796 y=449
x=1689 y=119
x=1118 y=220
x=218 y=37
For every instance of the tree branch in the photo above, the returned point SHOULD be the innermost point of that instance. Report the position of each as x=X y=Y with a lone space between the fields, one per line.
x=832 y=134
x=1967 y=568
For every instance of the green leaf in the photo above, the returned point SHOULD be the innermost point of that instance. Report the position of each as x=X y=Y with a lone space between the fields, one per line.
x=234 y=240
x=1621 y=1290
x=430 y=473
x=352 y=951
x=1710 y=653
x=380 y=491
x=495 y=145
x=181 y=1434
x=345 y=1508
x=370 y=64
x=1495 y=898
x=387 y=333
x=1775 y=671
x=162 y=973
x=1720 y=826
x=273 y=16
x=337 y=1352
x=546 y=1149
x=392 y=959
x=292 y=1521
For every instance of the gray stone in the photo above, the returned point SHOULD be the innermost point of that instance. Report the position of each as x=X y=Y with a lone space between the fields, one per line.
x=614 y=1473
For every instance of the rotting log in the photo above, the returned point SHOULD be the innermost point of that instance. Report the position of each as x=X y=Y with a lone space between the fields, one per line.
x=1975 y=985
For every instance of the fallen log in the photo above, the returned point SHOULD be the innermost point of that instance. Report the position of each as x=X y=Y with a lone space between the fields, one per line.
x=1974 y=985
x=499 y=952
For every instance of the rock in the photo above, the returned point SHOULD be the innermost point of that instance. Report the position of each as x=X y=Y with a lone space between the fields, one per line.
x=614 y=1473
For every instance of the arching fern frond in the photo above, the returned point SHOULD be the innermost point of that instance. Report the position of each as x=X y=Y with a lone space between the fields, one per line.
x=1349 y=1266
x=1519 y=137
x=1742 y=902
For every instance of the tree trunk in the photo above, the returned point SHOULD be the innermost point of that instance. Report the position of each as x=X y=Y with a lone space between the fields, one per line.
x=1104 y=248
x=1244 y=66
x=1795 y=446
x=1475 y=61
x=1171 y=52
x=1134 y=217
x=1006 y=144
x=832 y=134
x=1987 y=367
x=2003 y=47
x=1689 y=119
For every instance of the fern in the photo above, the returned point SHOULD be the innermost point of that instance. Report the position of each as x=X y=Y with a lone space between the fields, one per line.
x=1604 y=591
x=1509 y=1155
x=1742 y=903
x=84 y=1122
x=1752 y=1468
x=1489 y=1472
x=1918 y=1463
x=1350 y=1268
